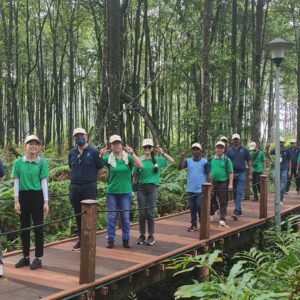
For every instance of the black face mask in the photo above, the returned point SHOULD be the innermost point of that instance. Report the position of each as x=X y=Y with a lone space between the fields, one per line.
x=80 y=141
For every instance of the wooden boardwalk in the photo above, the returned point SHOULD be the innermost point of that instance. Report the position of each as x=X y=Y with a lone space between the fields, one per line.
x=59 y=276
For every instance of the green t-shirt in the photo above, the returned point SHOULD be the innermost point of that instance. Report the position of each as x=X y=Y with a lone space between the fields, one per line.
x=299 y=158
x=146 y=174
x=29 y=173
x=119 y=181
x=257 y=159
x=220 y=168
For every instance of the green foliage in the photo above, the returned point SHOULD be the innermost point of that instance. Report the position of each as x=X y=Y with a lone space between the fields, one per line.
x=269 y=273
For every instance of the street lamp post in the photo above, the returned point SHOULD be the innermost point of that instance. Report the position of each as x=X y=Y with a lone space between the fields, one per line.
x=277 y=48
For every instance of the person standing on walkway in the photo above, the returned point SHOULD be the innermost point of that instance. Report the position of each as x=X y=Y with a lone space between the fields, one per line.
x=240 y=157
x=221 y=172
x=258 y=168
x=285 y=165
x=85 y=164
x=197 y=173
x=120 y=163
x=294 y=152
x=1 y=179
x=147 y=191
x=30 y=174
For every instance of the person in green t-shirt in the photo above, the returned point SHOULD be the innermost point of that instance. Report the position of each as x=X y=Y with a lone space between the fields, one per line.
x=119 y=162
x=147 y=192
x=258 y=168
x=30 y=174
x=1 y=263
x=221 y=173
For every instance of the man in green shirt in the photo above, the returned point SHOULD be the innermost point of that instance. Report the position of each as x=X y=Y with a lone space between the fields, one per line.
x=258 y=167
x=221 y=172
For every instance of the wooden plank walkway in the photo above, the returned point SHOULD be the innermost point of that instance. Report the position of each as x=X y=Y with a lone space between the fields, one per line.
x=60 y=273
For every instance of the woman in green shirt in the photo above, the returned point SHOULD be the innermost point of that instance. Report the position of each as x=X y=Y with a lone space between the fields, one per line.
x=30 y=174
x=119 y=187
x=147 y=192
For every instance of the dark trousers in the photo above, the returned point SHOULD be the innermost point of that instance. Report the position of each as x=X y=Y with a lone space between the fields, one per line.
x=220 y=189
x=0 y=250
x=256 y=183
x=195 y=207
x=32 y=206
x=146 y=197
x=297 y=179
x=79 y=192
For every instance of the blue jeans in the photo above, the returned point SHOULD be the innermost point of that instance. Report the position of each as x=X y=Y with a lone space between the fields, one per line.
x=283 y=180
x=114 y=202
x=239 y=190
x=195 y=205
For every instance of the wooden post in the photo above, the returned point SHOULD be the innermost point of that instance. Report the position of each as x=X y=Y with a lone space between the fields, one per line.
x=247 y=186
x=88 y=241
x=205 y=211
x=263 y=201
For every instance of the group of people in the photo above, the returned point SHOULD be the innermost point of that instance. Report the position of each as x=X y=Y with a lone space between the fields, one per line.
x=226 y=169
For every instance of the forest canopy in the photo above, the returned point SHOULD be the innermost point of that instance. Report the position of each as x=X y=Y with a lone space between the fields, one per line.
x=175 y=70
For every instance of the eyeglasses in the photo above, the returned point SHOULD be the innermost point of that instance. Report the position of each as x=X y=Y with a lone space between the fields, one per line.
x=79 y=159
x=147 y=147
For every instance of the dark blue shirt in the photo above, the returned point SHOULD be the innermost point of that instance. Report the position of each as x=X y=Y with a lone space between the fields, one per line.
x=239 y=157
x=84 y=167
x=294 y=152
x=1 y=169
x=285 y=156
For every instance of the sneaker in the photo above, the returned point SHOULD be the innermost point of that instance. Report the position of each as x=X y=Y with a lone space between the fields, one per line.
x=36 y=264
x=281 y=202
x=23 y=262
x=211 y=218
x=234 y=216
x=255 y=198
x=150 y=240
x=1 y=270
x=298 y=192
x=110 y=244
x=126 y=244
x=192 y=228
x=222 y=223
x=76 y=247
x=141 y=240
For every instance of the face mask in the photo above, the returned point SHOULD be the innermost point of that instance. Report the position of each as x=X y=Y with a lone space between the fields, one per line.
x=80 y=141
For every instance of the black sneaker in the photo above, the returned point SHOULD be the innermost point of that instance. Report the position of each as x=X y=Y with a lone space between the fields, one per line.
x=126 y=244
x=23 y=262
x=76 y=247
x=141 y=240
x=36 y=264
x=192 y=228
x=234 y=216
x=150 y=240
x=110 y=244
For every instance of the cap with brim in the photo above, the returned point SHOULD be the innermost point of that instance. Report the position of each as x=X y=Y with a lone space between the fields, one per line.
x=293 y=141
x=236 y=136
x=196 y=145
x=282 y=139
x=224 y=138
x=220 y=143
x=147 y=142
x=252 y=146
x=79 y=131
x=115 y=138
x=30 y=138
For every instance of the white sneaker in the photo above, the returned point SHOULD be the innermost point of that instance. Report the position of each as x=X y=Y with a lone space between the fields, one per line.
x=281 y=202
x=1 y=270
x=222 y=223
x=211 y=218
